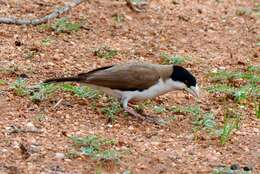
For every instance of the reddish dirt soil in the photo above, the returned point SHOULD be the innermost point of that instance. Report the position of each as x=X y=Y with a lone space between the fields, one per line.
x=209 y=31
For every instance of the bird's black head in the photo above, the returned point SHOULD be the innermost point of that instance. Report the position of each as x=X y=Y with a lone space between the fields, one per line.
x=183 y=75
x=183 y=79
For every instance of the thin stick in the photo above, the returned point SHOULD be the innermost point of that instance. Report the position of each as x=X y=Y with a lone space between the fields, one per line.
x=57 y=103
x=37 y=21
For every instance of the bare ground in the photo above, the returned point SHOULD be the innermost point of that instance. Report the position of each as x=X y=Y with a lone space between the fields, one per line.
x=209 y=31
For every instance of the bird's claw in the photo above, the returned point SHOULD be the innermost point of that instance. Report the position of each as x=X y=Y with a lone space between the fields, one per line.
x=154 y=120
x=150 y=119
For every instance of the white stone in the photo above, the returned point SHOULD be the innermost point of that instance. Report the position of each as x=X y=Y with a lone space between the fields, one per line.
x=59 y=155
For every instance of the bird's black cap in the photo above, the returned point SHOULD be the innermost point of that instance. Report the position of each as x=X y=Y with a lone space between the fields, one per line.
x=183 y=75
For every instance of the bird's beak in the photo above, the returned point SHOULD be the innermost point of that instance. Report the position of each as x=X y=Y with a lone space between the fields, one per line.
x=193 y=90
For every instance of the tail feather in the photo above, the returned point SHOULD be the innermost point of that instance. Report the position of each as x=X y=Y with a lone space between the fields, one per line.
x=63 y=79
x=82 y=77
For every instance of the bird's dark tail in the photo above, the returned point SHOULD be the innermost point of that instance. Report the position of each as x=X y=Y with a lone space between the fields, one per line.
x=63 y=79
x=82 y=77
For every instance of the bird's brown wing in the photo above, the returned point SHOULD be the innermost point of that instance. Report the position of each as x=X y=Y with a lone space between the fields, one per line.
x=123 y=77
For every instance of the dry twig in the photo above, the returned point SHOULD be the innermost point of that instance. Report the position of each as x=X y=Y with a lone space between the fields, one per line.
x=37 y=21
x=57 y=103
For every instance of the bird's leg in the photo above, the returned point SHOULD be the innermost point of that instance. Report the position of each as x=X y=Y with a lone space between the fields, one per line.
x=148 y=118
x=132 y=112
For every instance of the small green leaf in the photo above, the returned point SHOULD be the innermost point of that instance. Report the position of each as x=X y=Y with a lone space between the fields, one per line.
x=222 y=88
x=159 y=109
x=127 y=172
x=44 y=91
x=253 y=68
x=81 y=91
x=137 y=1
x=20 y=88
x=40 y=117
x=118 y=18
x=72 y=154
x=88 y=150
x=46 y=42
x=257 y=106
x=97 y=147
x=230 y=123
x=63 y=25
x=112 y=109
x=110 y=154
x=2 y=82
x=174 y=59
x=194 y=110
x=105 y=52
x=209 y=121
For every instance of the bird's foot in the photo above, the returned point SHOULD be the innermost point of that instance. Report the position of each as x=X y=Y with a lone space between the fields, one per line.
x=150 y=119
x=154 y=119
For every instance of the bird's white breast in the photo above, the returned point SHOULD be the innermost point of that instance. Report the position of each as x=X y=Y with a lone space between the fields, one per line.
x=159 y=88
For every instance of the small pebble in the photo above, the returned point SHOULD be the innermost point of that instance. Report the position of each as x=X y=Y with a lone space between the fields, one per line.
x=4 y=150
x=24 y=76
x=246 y=168
x=214 y=70
x=130 y=128
x=18 y=43
x=234 y=167
x=59 y=155
x=30 y=125
x=16 y=145
x=68 y=160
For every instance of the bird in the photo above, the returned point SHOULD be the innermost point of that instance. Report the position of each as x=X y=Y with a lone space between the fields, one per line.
x=136 y=81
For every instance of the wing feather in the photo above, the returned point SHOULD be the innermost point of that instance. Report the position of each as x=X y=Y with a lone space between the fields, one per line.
x=123 y=77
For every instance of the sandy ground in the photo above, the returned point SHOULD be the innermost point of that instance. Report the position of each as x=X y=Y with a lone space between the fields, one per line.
x=211 y=32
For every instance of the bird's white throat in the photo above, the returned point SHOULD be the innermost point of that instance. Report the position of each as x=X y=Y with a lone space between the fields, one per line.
x=159 y=88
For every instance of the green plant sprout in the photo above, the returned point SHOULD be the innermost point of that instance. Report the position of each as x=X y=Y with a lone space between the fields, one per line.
x=112 y=109
x=97 y=147
x=62 y=25
x=43 y=92
x=231 y=122
x=137 y=1
x=257 y=110
x=72 y=154
x=40 y=117
x=46 y=41
x=194 y=110
x=30 y=54
x=118 y=18
x=228 y=170
x=2 y=82
x=105 y=52
x=206 y=122
x=243 y=92
x=82 y=92
x=174 y=59
x=20 y=87
x=159 y=109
